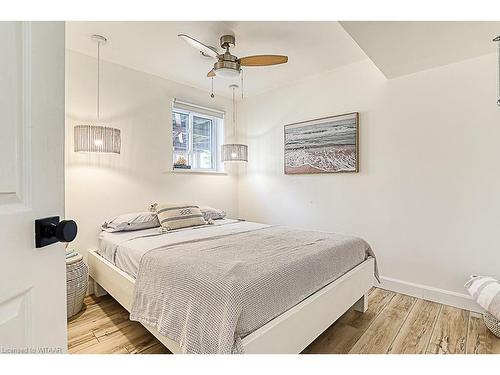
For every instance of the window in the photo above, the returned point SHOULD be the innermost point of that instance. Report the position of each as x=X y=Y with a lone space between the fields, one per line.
x=196 y=138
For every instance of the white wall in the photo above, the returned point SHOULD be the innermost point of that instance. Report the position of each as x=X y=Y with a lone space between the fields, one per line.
x=101 y=186
x=427 y=195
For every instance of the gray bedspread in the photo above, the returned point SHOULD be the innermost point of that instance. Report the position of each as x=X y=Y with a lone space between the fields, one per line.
x=208 y=294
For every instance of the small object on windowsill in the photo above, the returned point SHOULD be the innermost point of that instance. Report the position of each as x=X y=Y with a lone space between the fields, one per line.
x=181 y=163
x=181 y=166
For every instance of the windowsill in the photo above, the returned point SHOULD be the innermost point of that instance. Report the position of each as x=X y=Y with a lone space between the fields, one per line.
x=195 y=171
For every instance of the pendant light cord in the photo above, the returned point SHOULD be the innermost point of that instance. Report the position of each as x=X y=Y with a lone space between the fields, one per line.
x=98 y=77
x=234 y=116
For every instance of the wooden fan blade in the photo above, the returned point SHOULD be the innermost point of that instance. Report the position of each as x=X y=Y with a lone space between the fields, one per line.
x=199 y=45
x=263 y=60
x=211 y=73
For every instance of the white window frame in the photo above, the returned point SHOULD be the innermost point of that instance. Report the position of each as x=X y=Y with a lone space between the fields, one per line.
x=217 y=138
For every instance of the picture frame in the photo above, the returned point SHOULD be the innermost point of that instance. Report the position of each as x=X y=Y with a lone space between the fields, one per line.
x=323 y=145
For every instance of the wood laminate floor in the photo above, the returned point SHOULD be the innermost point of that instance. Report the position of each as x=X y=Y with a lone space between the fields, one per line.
x=394 y=323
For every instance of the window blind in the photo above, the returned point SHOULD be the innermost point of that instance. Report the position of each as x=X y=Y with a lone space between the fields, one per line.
x=179 y=104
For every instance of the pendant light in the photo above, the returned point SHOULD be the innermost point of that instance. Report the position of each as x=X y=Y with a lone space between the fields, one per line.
x=497 y=39
x=234 y=152
x=95 y=137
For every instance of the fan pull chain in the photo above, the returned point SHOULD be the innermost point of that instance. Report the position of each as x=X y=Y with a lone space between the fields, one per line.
x=212 y=94
x=497 y=39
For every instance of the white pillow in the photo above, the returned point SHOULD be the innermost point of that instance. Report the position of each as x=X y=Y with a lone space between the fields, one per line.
x=212 y=213
x=132 y=221
x=485 y=291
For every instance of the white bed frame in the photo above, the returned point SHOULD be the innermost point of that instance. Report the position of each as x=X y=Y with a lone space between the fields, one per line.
x=289 y=332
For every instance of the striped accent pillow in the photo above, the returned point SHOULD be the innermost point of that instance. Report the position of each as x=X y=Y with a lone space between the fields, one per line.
x=486 y=292
x=176 y=216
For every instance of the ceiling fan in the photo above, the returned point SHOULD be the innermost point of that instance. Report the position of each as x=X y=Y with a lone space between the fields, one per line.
x=228 y=65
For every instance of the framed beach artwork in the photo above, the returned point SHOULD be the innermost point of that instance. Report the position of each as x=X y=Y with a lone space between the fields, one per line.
x=325 y=145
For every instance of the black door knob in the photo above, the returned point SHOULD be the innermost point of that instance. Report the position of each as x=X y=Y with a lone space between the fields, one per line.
x=65 y=231
x=50 y=230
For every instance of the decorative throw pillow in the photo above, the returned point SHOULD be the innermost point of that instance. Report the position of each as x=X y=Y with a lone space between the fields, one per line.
x=212 y=213
x=176 y=216
x=486 y=292
x=132 y=221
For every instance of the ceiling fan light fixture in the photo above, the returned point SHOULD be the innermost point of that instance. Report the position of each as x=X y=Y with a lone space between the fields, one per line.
x=227 y=72
x=228 y=65
x=227 y=68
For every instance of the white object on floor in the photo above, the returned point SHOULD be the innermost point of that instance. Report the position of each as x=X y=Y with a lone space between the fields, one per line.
x=485 y=291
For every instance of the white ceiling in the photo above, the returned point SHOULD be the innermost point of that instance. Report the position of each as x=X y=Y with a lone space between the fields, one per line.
x=154 y=47
x=399 y=48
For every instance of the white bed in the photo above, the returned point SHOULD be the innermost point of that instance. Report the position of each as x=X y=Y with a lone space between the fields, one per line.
x=115 y=263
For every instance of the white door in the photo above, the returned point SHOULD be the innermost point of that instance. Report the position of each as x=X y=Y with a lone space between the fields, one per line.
x=32 y=281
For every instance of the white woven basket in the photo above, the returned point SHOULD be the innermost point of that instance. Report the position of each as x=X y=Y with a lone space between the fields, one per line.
x=492 y=323
x=77 y=274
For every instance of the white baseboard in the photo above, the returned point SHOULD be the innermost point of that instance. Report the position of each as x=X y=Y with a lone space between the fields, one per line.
x=429 y=293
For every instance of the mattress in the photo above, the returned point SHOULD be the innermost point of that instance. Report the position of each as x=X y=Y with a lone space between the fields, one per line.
x=125 y=249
